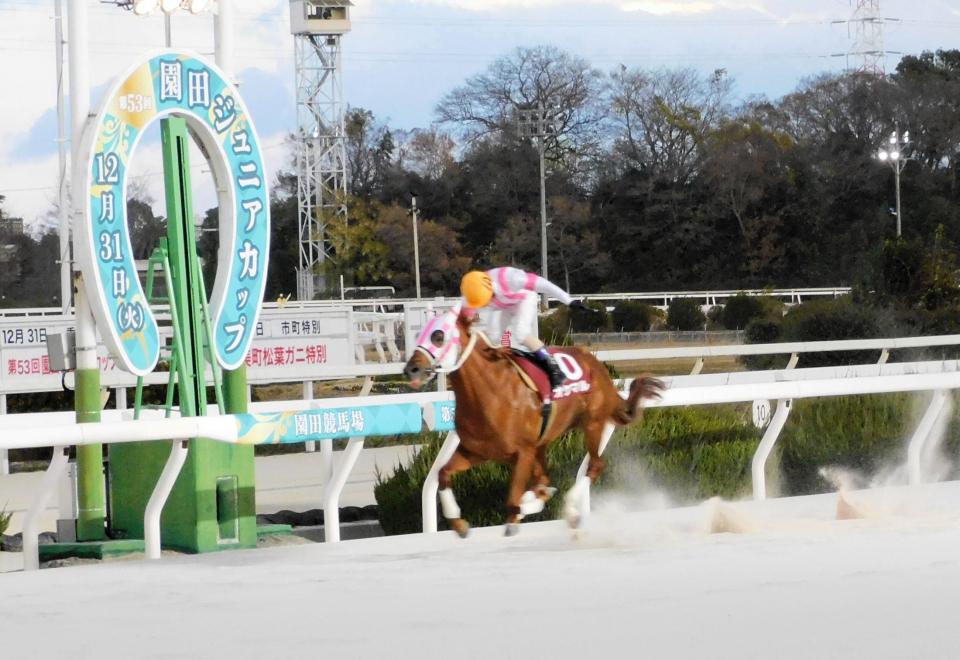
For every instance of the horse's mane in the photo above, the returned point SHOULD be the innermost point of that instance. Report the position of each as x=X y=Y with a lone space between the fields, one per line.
x=487 y=348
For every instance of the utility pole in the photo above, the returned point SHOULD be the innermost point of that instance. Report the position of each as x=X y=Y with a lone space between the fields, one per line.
x=66 y=287
x=533 y=123
x=416 y=243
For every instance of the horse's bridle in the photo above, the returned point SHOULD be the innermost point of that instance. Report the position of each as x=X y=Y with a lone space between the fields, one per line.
x=434 y=370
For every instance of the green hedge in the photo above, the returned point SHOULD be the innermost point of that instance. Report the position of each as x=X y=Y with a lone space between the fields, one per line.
x=741 y=309
x=633 y=316
x=690 y=453
x=819 y=320
x=685 y=314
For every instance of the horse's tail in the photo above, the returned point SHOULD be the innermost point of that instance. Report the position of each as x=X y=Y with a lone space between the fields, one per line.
x=644 y=387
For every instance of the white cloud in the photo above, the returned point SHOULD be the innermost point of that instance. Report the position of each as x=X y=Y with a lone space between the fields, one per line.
x=117 y=39
x=658 y=7
x=662 y=8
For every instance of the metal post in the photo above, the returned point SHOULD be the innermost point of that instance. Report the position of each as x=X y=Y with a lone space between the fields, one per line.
x=91 y=498
x=235 y=390
x=896 y=177
x=223 y=37
x=416 y=245
x=4 y=454
x=31 y=524
x=332 y=491
x=543 y=204
x=428 y=496
x=759 y=463
x=939 y=403
x=158 y=498
x=311 y=445
x=62 y=197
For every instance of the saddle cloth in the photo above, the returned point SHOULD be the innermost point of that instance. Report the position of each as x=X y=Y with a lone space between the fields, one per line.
x=535 y=377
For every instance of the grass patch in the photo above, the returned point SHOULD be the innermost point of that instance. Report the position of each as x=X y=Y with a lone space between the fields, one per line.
x=5 y=520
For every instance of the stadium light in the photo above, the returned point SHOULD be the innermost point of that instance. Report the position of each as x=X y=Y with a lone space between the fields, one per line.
x=145 y=7
x=198 y=6
x=893 y=152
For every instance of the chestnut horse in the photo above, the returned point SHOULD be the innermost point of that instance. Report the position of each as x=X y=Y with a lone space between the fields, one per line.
x=498 y=417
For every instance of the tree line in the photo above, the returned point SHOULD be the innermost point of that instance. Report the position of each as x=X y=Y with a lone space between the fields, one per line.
x=655 y=179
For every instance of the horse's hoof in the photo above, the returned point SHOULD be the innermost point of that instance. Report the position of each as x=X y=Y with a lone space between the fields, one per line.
x=461 y=527
x=546 y=492
x=511 y=529
x=574 y=520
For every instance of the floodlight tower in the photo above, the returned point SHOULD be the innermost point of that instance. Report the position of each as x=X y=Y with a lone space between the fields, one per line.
x=317 y=27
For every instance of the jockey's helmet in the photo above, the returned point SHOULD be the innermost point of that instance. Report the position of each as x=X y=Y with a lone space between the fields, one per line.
x=476 y=288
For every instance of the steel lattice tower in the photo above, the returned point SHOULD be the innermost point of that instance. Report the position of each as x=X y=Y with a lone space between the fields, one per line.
x=867 y=54
x=320 y=139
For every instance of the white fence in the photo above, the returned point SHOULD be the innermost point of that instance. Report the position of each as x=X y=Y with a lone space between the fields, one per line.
x=59 y=430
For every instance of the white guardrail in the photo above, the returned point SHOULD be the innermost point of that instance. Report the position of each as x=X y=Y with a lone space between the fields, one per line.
x=656 y=298
x=60 y=431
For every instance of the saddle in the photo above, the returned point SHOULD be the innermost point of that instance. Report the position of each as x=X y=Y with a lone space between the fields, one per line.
x=533 y=373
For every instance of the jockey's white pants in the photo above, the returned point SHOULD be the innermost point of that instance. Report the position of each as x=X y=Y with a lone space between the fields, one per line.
x=519 y=319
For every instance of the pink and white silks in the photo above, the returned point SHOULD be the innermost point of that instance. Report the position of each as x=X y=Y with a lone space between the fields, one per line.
x=514 y=302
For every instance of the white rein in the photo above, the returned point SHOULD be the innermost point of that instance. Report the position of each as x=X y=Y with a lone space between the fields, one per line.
x=463 y=356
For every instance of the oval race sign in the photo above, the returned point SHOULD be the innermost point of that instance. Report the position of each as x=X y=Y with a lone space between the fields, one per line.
x=174 y=83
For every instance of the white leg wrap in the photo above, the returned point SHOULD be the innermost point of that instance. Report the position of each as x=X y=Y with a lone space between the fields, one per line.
x=530 y=504
x=451 y=511
x=573 y=503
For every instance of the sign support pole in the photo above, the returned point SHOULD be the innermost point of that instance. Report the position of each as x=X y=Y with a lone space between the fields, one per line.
x=234 y=380
x=90 y=481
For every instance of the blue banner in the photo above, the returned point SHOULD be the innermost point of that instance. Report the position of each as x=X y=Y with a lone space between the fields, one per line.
x=328 y=423
x=444 y=416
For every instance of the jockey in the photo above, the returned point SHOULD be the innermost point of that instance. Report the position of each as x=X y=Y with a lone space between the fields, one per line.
x=513 y=293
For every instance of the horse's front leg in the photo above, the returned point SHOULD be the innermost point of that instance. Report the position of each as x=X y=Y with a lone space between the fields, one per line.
x=522 y=470
x=448 y=503
x=534 y=501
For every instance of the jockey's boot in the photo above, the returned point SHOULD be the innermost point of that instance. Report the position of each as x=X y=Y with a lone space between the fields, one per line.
x=553 y=369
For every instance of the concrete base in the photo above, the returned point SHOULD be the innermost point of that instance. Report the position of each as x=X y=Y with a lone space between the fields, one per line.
x=274 y=530
x=363 y=529
x=89 y=549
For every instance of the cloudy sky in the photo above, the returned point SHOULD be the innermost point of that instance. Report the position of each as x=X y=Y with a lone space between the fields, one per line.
x=403 y=55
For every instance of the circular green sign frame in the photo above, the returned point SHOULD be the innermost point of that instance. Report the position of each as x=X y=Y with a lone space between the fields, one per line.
x=186 y=85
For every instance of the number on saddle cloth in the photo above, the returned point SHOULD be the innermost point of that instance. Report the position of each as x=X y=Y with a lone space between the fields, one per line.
x=577 y=381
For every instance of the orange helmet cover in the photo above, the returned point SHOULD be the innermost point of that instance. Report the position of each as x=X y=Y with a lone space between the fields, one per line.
x=476 y=288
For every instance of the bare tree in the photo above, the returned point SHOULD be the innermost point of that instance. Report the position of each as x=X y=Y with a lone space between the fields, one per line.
x=661 y=118
x=565 y=86
x=854 y=107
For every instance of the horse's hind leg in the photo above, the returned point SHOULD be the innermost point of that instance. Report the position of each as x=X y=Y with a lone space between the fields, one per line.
x=577 y=501
x=522 y=470
x=448 y=503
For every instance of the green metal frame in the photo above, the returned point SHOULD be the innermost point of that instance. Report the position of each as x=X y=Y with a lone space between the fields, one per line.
x=178 y=363
x=212 y=504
